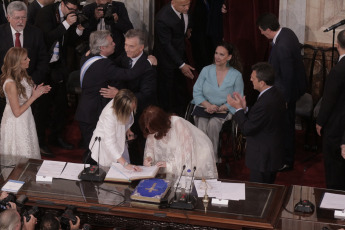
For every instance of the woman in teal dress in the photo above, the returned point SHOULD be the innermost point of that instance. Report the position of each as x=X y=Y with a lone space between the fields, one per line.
x=214 y=83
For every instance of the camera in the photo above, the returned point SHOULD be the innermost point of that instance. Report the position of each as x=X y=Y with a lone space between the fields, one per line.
x=81 y=18
x=32 y=211
x=67 y=216
x=108 y=13
x=5 y=202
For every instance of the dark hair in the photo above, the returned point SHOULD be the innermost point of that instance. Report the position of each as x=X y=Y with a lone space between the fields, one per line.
x=264 y=72
x=49 y=222
x=341 y=39
x=154 y=120
x=268 y=21
x=73 y=2
x=136 y=33
x=235 y=61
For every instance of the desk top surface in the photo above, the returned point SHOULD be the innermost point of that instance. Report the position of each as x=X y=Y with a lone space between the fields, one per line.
x=260 y=209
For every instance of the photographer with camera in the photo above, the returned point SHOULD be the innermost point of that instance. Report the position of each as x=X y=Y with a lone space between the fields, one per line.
x=10 y=219
x=108 y=15
x=51 y=222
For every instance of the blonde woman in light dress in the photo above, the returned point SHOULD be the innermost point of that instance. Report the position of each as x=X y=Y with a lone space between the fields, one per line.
x=18 y=136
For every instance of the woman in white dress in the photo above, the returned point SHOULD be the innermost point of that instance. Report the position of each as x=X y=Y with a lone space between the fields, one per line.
x=18 y=131
x=108 y=143
x=173 y=142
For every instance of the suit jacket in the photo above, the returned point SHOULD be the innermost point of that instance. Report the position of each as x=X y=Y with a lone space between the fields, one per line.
x=287 y=62
x=169 y=47
x=262 y=126
x=99 y=75
x=332 y=111
x=33 y=9
x=3 y=18
x=118 y=29
x=145 y=86
x=34 y=43
x=54 y=30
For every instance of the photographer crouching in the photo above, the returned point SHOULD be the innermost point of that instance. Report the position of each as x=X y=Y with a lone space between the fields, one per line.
x=10 y=219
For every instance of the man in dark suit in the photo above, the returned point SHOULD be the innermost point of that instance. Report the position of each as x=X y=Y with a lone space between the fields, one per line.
x=58 y=23
x=262 y=125
x=30 y=38
x=3 y=7
x=331 y=120
x=288 y=66
x=100 y=73
x=116 y=21
x=34 y=7
x=171 y=27
x=144 y=87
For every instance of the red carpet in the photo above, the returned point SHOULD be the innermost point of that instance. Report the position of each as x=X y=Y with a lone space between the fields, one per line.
x=310 y=173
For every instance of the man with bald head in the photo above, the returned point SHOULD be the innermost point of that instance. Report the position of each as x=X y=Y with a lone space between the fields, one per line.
x=171 y=28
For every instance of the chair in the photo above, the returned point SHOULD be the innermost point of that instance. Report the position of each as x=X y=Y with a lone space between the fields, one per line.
x=229 y=133
x=307 y=106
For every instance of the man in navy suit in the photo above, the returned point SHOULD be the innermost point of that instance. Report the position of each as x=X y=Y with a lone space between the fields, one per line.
x=30 y=38
x=171 y=27
x=100 y=73
x=331 y=121
x=290 y=78
x=262 y=125
x=143 y=87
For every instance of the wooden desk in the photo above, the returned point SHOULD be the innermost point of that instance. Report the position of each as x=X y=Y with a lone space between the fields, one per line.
x=319 y=219
x=108 y=204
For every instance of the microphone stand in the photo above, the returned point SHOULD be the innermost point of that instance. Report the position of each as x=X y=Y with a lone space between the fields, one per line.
x=184 y=166
x=333 y=47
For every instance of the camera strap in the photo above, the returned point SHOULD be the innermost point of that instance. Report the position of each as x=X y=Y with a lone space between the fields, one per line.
x=86 y=66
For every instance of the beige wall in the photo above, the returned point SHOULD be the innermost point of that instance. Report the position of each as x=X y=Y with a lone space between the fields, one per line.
x=309 y=18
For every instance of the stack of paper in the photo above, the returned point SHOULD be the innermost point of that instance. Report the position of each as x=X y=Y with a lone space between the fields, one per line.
x=59 y=169
x=221 y=190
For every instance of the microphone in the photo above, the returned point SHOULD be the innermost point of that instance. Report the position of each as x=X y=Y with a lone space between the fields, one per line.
x=191 y=183
x=87 y=157
x=183 y=168
x=93 y=173
x=342 y=22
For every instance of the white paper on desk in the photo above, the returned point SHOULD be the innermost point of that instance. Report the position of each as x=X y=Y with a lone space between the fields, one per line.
x=51 y=169
x=72 y=171
x=12 y=186
x=333 y=201
x=233 y=191
x=213 y=188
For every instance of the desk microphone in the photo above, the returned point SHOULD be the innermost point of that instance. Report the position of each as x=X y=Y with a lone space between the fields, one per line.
x=87 y=157
x=183 y=168
x=342 y=22
x=93 y=173
x=191 y=183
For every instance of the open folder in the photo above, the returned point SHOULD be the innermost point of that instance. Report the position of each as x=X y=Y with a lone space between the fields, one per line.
x=117 y=173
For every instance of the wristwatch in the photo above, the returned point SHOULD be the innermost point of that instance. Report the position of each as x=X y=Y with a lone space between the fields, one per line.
x=125 y=164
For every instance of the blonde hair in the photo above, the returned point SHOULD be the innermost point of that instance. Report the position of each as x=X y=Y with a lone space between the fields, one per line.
x=122 y=105
x=12 y=69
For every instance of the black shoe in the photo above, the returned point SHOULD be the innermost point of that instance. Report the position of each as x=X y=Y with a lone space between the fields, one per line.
x=46 y=152
x=285 y=168
x=62 y=144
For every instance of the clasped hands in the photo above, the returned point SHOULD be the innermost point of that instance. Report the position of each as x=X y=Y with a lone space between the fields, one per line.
x=40 y=89
x=160 y=164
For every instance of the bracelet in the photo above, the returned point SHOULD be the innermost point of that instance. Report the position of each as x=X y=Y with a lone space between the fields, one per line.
x=125 y=164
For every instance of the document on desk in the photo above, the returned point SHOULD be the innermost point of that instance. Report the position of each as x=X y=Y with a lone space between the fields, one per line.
x=221 y=190
x=72 y=171
x=333 y=201
x=50 y=169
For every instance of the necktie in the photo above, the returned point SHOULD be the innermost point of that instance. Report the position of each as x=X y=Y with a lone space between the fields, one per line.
x=17 y=42
x=130 y=62
x=183 y=23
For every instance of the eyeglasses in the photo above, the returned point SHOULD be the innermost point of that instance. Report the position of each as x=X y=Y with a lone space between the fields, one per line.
x=72 y=9
x=19 y=18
